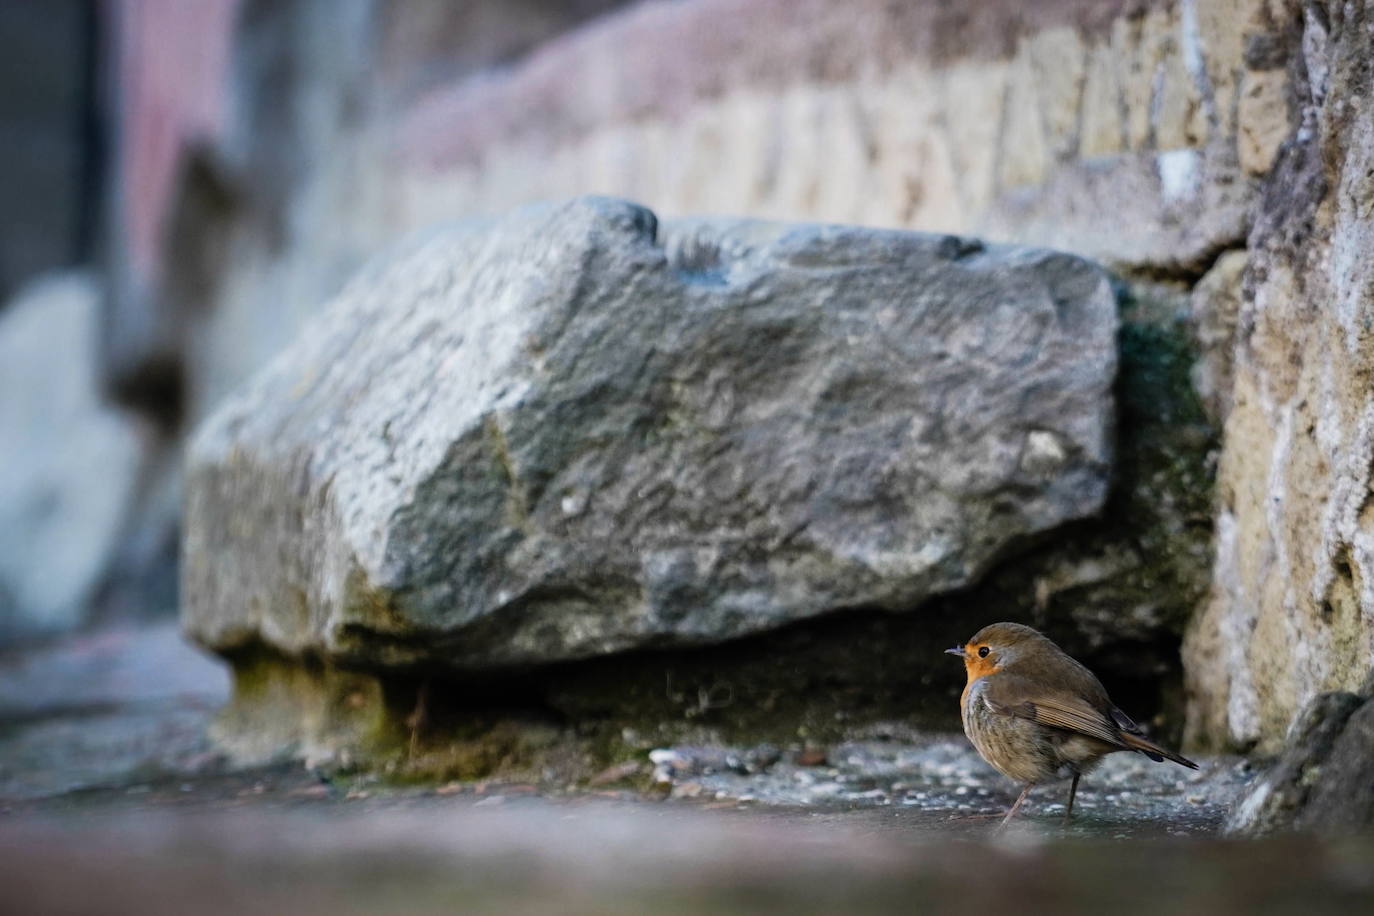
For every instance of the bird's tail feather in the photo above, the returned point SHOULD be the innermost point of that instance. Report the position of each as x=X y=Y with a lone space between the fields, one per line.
x=1154 y=751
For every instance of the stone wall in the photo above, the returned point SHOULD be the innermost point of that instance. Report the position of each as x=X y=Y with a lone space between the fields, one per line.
x=1135 y=133
x=1292 y=612
x=1211 y=147
x=1042 y=121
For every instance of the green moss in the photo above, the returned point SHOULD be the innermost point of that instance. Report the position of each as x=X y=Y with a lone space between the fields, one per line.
x=1163 y=503
x=374 y=607
x=516 y=503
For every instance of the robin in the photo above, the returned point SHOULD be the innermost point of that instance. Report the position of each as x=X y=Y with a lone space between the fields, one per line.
x=1037 y=715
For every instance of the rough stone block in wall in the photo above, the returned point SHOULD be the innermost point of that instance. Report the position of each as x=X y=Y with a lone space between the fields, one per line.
x=1292 y=611
x=572 y=432
x=1058 y=58
x=1225 y=32
x=1102 y=132
x=1215 y=308
x=1262 y=119
x=1324 y=780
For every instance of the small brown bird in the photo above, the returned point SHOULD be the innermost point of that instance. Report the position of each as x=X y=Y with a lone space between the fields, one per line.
x=1037 y=715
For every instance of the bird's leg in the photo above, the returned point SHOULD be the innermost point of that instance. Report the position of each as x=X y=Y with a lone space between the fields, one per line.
x=1017 y=806
x=1073 y=790
x=419 y=717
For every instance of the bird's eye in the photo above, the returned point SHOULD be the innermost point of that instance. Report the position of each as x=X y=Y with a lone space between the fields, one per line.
x=983 y=652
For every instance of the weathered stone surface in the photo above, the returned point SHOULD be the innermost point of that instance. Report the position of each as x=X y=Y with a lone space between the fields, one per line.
x=69 y=464
x=1292 y=609
x=1324 y=780
x=565 y=434
x=1279 y=796
x=1214 y=309
x=1262 y=119
x=1184 y=207
x=1224 y=31
x=1103 y=131
x=1343 y=798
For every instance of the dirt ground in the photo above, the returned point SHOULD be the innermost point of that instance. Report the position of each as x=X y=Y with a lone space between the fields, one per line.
x=112 y=801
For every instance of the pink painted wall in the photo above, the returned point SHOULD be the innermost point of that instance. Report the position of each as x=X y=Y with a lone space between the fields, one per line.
x=170 y=61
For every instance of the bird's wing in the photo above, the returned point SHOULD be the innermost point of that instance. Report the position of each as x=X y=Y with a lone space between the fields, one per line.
x=1011 y=695
x=1124 y=722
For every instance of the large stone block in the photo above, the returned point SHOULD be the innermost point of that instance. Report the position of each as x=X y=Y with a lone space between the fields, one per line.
x=572 y=432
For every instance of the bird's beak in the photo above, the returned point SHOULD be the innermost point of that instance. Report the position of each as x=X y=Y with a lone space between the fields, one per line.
x=957 y=650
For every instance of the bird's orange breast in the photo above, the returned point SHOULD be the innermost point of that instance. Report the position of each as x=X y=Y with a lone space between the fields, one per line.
x=975 y=667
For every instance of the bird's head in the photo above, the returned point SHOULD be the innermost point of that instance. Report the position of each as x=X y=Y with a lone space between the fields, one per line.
x=995 y=646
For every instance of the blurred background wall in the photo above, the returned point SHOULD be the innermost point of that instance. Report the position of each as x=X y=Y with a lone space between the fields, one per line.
x=262 y=150
x=225 y=165
x=50 y=141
